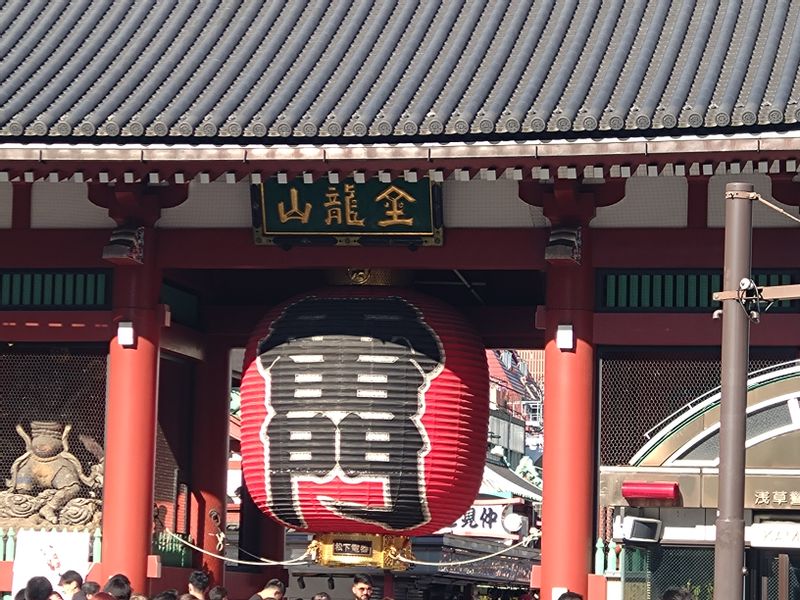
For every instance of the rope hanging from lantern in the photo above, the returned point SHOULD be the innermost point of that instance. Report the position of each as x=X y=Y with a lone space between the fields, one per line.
x=220 y=537
x=259 y=563
x=524 y=542
x=313 y=546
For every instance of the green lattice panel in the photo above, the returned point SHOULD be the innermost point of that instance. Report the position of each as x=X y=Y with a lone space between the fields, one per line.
x=55 y=290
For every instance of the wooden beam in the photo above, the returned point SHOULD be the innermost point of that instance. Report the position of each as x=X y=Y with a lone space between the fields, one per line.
x=769 y=293
x=689 y=330
x=55 y=326
x=498 y=326
x=473 y=248
x=470 y=248
x=183 y=341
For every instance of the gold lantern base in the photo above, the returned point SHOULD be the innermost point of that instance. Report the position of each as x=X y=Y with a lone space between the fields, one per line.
x=363 y=550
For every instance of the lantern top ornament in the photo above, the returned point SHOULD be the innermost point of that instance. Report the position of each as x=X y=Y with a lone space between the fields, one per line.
x=364 y=411
x=368 y=276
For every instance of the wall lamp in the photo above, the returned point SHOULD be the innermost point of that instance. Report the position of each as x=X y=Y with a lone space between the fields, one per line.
x=565 y=337
x=331 y=583
x=126 y=335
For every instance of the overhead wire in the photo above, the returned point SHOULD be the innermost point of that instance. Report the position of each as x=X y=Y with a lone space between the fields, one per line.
x=767 y=203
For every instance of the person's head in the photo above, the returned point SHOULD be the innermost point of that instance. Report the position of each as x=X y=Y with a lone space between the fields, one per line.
x=166 y=595
x=138 y=597
x=362 y=587
x=118 y=586
x=570 y=596
x=198 y=581
x=275 y=588
x=70 y=582
x=90 y=588
x=677 y=594
x=321 y=596
x=217 y=593
x=38 y=588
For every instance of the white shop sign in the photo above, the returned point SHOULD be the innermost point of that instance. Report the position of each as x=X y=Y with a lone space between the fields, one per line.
x=775 y=534
x=491 y=519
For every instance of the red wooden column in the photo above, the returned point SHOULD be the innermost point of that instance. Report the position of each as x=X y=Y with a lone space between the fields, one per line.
x=131 y=418
x=210 y=455
x=569 y=415
x=132 y=403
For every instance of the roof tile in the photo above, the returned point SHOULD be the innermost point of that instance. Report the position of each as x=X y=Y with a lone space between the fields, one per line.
x=362 y=70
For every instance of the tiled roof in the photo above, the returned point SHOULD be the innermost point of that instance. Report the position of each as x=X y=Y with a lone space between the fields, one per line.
x=508 y=376
x=360 y=71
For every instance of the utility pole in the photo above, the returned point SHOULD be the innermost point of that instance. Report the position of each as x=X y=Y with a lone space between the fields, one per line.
x=742 y=301
x=729 y=544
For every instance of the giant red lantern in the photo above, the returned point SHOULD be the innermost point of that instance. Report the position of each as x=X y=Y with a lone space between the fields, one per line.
x=364 y=410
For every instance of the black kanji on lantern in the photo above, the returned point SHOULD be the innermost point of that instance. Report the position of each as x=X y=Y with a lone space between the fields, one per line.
x=346 y=380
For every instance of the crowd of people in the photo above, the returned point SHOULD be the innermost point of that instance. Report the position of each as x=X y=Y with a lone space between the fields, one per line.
x=118 y=587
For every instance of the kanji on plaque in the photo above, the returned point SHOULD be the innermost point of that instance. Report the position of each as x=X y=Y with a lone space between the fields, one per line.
x=347 y=210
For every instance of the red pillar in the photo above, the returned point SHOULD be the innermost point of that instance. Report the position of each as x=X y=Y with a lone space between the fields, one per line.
x=569 y=415
x=210 y=456
x=131 y=417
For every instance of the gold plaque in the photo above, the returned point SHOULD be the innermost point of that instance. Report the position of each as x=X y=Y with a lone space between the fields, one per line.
x=364 y=550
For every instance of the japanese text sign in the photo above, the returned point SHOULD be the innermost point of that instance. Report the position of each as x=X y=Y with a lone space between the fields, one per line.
x=490 y=519
x=346 y=211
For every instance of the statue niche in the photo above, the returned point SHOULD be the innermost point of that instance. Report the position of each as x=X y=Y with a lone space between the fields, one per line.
x=48 y=484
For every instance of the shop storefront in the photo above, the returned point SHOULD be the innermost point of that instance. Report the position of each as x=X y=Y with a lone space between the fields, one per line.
x=664 y=503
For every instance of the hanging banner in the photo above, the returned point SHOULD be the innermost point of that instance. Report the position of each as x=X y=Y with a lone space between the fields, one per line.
x=347 y=213
x=48 y=554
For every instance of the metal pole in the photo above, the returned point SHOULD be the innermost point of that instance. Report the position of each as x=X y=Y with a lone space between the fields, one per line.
x=729 y=545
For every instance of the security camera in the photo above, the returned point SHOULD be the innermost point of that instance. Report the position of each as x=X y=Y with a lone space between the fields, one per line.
x=746 y=284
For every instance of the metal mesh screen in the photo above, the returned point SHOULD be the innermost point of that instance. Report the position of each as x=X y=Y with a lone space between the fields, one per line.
x=55 y=395
x=649 y=572
x=640 y=388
